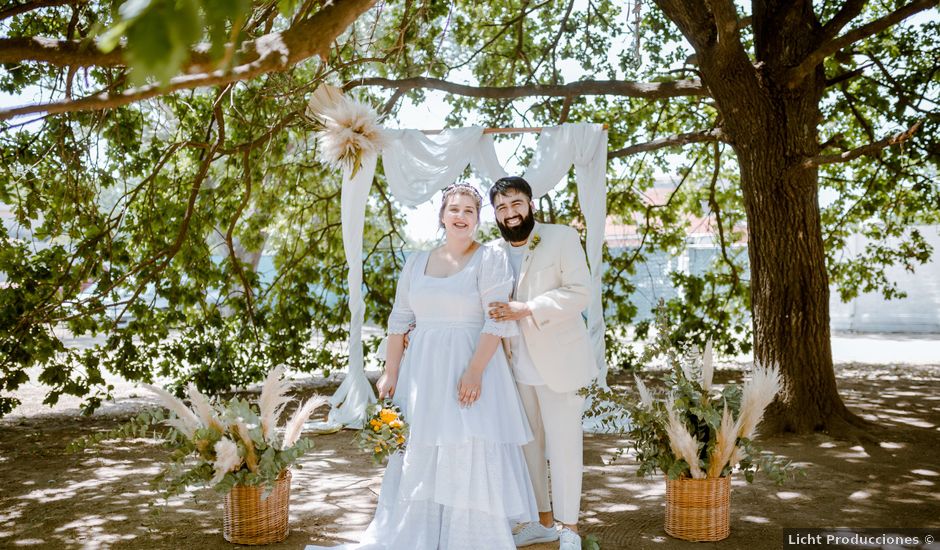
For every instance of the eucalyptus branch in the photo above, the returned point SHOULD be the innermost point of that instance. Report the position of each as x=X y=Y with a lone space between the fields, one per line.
x=671 y=141
x=869 y=149
x=797 y=74
x=651 y=90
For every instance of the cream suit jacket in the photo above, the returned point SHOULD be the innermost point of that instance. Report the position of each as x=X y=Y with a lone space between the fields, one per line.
x=554 y=282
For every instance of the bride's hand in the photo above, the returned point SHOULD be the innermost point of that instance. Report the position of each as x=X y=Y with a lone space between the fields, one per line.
x=469 y=387
x=386 y=384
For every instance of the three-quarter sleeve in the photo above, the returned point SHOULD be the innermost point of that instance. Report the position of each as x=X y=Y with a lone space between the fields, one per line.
x=496 y=283
x=402 y=316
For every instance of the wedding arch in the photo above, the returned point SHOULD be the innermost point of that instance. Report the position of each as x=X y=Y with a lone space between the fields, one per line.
x=417 y=165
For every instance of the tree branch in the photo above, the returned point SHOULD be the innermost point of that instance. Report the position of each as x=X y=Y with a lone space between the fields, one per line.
x=726 y=22
x=671 y=141
x=651 y=90
x=274 y=52
x=847 y=13
x=801 y=71
x=60 y=53
x=693 y=21
x=869 y=149
x=713 y=205
x=230 y=240
x=17 y=9
x=848 y=75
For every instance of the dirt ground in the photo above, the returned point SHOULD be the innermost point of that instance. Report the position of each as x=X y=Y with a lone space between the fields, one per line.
x=102 y=499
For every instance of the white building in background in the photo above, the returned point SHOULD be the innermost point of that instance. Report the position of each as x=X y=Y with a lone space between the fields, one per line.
x=918 y=312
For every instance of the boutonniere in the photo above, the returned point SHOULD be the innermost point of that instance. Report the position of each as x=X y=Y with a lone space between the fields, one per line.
x=535 y=242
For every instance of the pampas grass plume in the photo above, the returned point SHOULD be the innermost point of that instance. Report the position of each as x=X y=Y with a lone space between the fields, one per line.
x=684 y=445
x=646 y=397
x=708 y=366
x=203 y=408
x=272 y=401
x=296 y=423
x=350 y=130
x=251 y=457
x=186 y=421
x=226 y=458
x=323 y=98
x=724 y=444
x=758 y=392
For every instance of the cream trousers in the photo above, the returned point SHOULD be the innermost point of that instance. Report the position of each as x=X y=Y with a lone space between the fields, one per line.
x=555 y=419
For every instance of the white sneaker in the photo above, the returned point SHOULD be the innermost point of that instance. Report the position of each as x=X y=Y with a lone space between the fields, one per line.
x=569 y=540
x=534 y=533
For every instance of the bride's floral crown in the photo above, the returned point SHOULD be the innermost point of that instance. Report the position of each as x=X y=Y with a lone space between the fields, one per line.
x=463 y=188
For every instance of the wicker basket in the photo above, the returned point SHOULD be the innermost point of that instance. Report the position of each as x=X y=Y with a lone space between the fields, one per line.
x=247 y=519
x=698 y=509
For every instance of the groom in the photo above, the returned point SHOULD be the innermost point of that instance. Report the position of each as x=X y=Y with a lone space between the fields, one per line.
x=551 y=359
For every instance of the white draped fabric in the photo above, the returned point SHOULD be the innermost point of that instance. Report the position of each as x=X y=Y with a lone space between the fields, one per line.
x=417 y=166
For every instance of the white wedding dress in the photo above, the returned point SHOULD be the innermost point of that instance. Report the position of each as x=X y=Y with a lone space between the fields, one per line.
x=462 y=480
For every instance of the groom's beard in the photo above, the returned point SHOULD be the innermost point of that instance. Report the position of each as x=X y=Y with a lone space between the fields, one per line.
x=520 y=232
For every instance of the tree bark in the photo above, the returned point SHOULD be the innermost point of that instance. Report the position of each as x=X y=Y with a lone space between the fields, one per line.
x=773 y=129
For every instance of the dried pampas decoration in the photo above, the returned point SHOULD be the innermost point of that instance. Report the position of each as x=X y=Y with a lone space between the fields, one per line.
x=349 y=129
x=758 y=392
x=296 y=423
x=725 y=441
x=272 y=401
x=646 y=397
x=186 y=420
x=684 y=445
x=251 y=457
x=226 y=459
x=708 y=366
x=203 y=409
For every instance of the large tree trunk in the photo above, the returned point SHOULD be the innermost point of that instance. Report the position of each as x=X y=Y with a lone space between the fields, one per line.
x=789 y=283
x=773 y=129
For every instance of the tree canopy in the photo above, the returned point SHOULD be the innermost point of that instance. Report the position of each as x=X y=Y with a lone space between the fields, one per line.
x=170 y=148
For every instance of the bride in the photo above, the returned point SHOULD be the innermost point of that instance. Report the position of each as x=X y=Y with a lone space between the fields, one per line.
x=462 y=480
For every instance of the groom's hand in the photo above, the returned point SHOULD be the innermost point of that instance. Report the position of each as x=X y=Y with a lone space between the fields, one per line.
x=509 y=311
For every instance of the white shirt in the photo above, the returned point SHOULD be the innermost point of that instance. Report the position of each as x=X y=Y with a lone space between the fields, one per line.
x=522 y=366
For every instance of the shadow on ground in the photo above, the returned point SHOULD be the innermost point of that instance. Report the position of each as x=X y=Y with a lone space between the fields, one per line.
x=101 y=498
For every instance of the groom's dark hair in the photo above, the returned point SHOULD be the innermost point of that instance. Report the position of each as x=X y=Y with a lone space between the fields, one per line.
x=503 y=185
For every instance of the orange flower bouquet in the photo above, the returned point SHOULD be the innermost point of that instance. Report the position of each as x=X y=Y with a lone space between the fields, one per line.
x=385 y=431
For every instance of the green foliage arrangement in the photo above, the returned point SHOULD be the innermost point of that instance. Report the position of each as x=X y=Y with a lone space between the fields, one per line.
x=692 y=430
x=224 y=444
